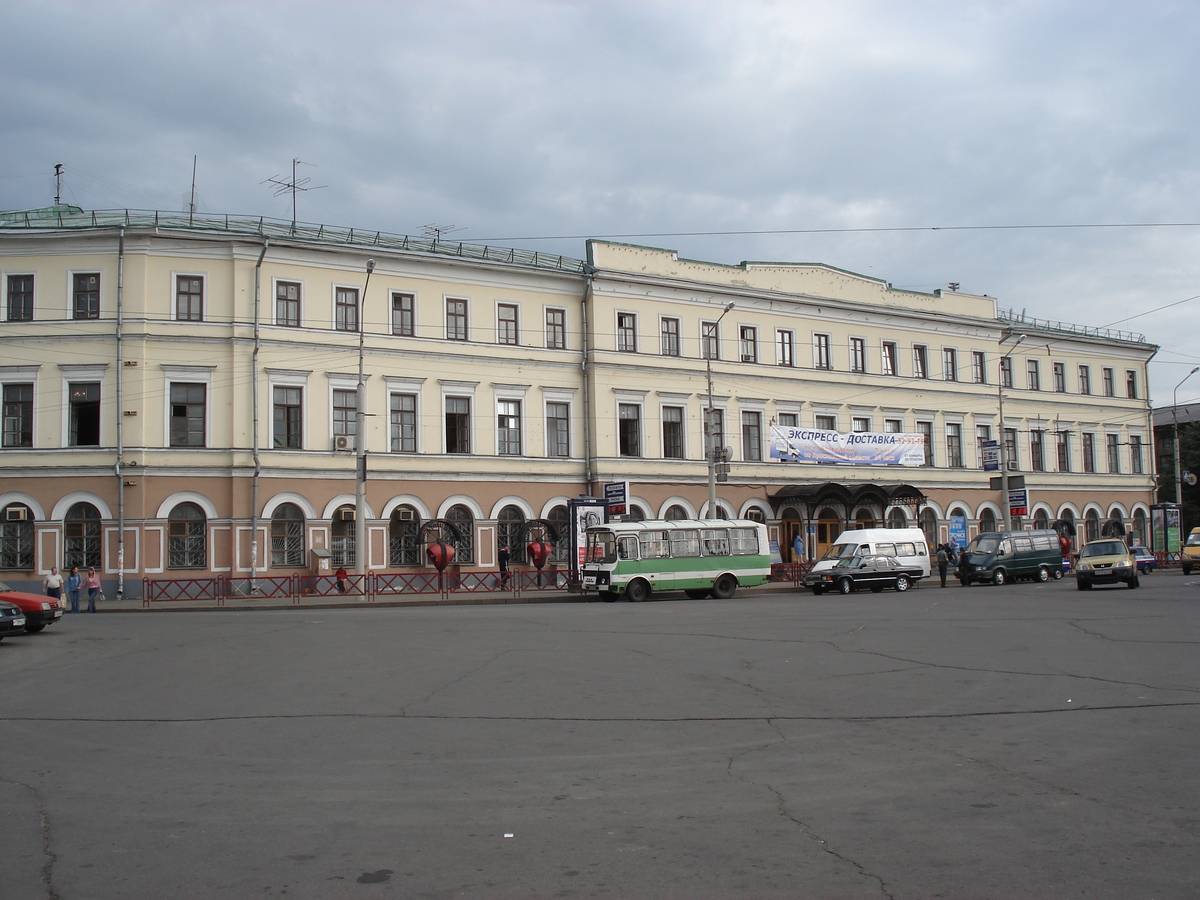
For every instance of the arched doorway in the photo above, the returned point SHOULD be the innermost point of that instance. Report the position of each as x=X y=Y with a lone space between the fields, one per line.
x=790 y=528
x=1139 y=528
x=81 y=544
x=1091 y=525
x=864 y=518
x=187 y=547
x=464 y=553
x=829 y=526
x=928 y=523
x=508 y=532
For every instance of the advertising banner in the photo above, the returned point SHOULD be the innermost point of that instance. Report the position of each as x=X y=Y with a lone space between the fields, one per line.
x=861 y=448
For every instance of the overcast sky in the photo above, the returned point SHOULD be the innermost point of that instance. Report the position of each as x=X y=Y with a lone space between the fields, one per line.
x=533 y=120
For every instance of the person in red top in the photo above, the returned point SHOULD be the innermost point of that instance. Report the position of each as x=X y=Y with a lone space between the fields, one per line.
x=340 y=577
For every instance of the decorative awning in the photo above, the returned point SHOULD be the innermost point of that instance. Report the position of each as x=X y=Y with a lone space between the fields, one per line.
x=847 y=496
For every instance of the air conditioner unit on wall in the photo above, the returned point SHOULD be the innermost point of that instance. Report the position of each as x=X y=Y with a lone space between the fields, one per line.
x=343 y=442
x=346 y=515
x=16 y=514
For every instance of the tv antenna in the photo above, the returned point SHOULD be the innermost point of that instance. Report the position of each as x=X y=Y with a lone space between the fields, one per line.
x=293 y=186
x=436 y=231
x=58 y=167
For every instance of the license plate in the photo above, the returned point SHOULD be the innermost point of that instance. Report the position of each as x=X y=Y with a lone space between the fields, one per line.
x=18 y=621
x=57 y=613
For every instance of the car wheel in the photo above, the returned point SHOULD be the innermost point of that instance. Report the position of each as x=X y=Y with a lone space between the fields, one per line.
x=998 y=577
x=724 y=586
x=697 y=593
x=1082 y=585
x=846 y=586
x=34 y=629
x=637 y=590
x=902 y=583
x=1043 y=574
x=1057 y=573
x=1132 y=582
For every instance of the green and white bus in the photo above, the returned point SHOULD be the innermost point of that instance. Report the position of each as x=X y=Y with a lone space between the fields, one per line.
x=701 y=557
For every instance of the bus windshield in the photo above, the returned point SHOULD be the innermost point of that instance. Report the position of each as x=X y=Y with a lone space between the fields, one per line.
x=601 y=547
x=838 y=551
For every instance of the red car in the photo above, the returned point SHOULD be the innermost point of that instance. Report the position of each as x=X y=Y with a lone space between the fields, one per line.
x=39 y=609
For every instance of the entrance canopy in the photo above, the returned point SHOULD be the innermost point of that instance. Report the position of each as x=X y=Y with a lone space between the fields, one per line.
x=846 y=498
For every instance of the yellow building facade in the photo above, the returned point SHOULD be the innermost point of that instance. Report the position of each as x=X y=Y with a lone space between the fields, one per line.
x=175 y=386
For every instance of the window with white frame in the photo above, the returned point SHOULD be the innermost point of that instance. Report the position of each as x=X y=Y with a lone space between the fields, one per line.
x=556 y=328
x=672 y=429
x=983 y=434
x=920 y=361
x=403 y=423
x=506 y=324
x=890 y=354
x=287 y=417
x=629 y=429
x=345 y=309
x=954 y=448
x=752 y=436
x=456 y=319
x=710 y=340
x=20 y=298
x=1112 y=447
x=858 y=354
x=1136 y=466
x=1108 y=378
x=1006 y=371
x=458 y=424
x=85 y=295
x=925 y=429
x=508 y=427
x=287 y=303
x=18 y=415
x=188 y=405
x=785 y=347
x=978 y=367
x=627 y=332
x=345 y=412
x=822 y=351
x=825 y=422
x=1131 y=384
x=1085 y=379
x=83 y=414
x=949 y=364
x=748 y=343
x=1033 y=375
x=558 y=429
x=404 y=314
x=860 y=424
x=189 y=298
x=1060 y=378
x=1088 y=451
x=669 y=329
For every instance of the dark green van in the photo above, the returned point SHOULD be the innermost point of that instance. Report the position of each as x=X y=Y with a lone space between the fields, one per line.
x=997 y=557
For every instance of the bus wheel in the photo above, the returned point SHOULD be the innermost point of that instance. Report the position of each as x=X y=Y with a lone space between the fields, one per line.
x=724 y=586
x=697 y=593
x=637 y=590
x=608 y=596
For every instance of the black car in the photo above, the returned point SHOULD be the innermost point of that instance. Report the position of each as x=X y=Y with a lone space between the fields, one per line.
x=12 y=619
x=855 y=572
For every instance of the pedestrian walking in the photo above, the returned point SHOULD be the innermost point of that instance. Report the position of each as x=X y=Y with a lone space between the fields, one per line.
x=53 y=584
x=798 y=548
x=943 y=561
x=503 y=558
x=91 y=584
x=74 y=585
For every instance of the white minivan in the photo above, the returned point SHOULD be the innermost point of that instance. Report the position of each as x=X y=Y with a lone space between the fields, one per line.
x=905 y=544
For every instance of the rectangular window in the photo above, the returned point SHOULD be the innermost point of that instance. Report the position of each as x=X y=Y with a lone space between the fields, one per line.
x=1135 y=455
x=1060 y=378
x=1085 y=379
x=189 y=298
x=1112 y=446
x=949 y=364
x=982 y=433
x=859 y=424
x=558 y=430
x=858 y=354
x=287 y=303
x=456 y=319
x=84 y=414
x=287 y=419
x=506 y=324
x=404 y=314
x=556 y=329
x=345 y=309
x=891 y=358
x=345 y=413
x=978 y=367
x=669 y=328
x=403 y=423
x=920 y=361
x=789 y=420
x=18 y=415
x=458 y=424
x=1064 y=451
x=187 y=415
x=86 y=296
x=1037 y=450
x=629 y=429
x=954 y=449
x=627 y=332
x=822 y=351
x=1006 y=371
x=752 y=436
x=785 y=347
x=508 y=427
x=925 y=429
x=1131 y=384
x=672 y=425
x=748 y=343
x=1034 y=375
x=20 y=298
x=893 y=426
x=1109 y=380
x=825 y=423
x=1089 y=452
x=710 y=340
x=1011 y=459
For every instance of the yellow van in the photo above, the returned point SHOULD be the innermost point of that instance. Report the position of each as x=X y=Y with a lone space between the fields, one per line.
x=1190 y=554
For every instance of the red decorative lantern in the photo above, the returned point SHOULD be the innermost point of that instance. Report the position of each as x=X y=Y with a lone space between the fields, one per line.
x=440 y=554
x=539 y=552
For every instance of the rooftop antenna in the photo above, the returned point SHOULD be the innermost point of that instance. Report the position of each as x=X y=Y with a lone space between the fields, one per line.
x=58 y=167
x=436 y=231
x=192 y=200
x=294 y=186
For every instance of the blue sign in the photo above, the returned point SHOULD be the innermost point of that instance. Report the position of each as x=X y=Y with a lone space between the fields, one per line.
x=958 y=531
x=991 y=456
x=616 y=497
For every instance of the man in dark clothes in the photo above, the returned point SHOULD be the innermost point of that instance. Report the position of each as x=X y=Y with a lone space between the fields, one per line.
x=943 y=560
x=503 y=557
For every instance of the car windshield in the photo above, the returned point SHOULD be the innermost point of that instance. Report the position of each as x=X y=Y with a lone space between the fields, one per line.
x=1193 y=540
x=986 y=543
x=1103 y=548
x=849 y=562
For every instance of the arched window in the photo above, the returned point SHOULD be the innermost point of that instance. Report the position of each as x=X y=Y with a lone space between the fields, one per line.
x=81 y=536
x=1040 y=519
x=896 y=518
x=1139 y=528
x=864 y=518
x=987 y=521
x=464 y=553
x=403 y=549
x=1091 y=525
x=508 y=532
x=560 y=518
x=287 y=536
x=1069 y=517
x=928 y=523
x=16 y=537
x=754 y=514
x=342 y=538
x=675 y=512
x=187 y=547
x=636 y=513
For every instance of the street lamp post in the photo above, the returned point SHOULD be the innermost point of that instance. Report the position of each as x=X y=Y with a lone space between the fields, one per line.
x=1004 y=506
x=360 y=441
x=1175 y=423
x=714 y=452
